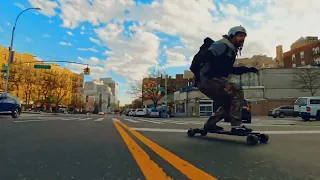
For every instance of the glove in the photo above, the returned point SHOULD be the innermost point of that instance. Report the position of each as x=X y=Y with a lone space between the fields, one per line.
x=253 y=69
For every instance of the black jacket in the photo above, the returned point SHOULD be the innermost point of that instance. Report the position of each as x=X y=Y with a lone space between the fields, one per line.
x=219 y=60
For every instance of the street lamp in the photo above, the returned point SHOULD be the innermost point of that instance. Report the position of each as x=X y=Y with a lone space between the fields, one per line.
x=10 y=58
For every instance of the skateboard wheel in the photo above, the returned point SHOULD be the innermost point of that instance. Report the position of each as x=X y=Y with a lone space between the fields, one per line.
x=203 y=133
x=252 y=140
x=191 y=132
x=264 y=138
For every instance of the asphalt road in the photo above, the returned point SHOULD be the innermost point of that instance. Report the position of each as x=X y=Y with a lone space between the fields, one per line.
x=50 y=147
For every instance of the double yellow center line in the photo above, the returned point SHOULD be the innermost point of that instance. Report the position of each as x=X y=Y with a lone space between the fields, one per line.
x=148 y=167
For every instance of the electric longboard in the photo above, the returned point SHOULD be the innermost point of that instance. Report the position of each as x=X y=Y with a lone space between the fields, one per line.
x=252 y=138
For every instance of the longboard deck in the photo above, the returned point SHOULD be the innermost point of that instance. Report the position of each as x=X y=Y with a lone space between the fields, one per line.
x=225 y=132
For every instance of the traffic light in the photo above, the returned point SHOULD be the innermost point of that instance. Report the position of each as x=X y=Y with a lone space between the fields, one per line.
x=86 y=71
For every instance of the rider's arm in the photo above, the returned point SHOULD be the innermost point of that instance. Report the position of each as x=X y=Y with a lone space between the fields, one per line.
x=240 y=70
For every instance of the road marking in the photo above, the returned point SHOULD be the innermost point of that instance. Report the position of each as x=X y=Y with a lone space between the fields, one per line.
x=265 y=132
x=148 y=167
x=130 y=120
x=70 y=118
x=100 y=119
x=153 y=121
x=29 y=121
x=183 y=166
x=83 y=119
x=116 y=120
x=159 y=130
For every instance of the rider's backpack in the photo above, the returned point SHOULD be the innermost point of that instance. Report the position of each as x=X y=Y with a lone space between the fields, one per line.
x=197 y=61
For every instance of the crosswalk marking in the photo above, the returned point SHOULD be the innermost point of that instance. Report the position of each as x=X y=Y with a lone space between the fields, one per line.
x=70 y=118
x=83 y=119
x=130 y=120
x=99 y=119
x=151 y=121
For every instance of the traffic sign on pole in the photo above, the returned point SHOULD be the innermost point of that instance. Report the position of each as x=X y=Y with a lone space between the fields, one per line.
x=40 y=66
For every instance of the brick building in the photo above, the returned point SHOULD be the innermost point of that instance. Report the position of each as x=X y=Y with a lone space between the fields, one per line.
x=302 y=56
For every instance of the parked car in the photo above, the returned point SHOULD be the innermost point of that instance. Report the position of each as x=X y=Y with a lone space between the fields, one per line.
x=10 y=105
x=132 y=112
x=246 y=113
x=140 y=112
x=283 y=111
x=307 y=107
x=154 y=113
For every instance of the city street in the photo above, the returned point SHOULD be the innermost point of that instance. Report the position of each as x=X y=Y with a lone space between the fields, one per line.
x=47 y=146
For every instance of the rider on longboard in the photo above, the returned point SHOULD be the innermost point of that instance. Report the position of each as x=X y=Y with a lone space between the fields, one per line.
x=216 y=65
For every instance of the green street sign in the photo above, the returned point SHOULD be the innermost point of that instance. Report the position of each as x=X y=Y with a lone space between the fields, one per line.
x=4 y=70
x=156 y=89
x=39 y=66
x=4 y=66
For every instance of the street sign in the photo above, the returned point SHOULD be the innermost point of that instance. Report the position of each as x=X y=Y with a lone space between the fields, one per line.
x=4 y=67
x=4 y=70
x=40 y=66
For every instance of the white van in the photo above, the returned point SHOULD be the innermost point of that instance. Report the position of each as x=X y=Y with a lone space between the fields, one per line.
x=307 y=107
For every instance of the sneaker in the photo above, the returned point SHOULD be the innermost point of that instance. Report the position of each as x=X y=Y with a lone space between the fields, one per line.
x=241 y=130
x=212 y=127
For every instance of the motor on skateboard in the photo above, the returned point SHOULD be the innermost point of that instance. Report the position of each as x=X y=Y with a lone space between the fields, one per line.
x=252 y=138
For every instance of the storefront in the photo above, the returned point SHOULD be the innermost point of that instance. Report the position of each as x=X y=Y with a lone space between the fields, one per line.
x=205 y=107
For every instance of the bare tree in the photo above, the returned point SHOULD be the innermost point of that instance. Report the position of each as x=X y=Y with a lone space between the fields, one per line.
x=308 y=80
x=150 y=88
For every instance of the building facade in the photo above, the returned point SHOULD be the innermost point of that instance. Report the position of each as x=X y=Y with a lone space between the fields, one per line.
x=258 y=61
x=303 y=41
x=102 y=94
x=302 y=56
x=55 y=86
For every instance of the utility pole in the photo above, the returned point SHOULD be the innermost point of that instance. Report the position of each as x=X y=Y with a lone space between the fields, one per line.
x=166 y=91
x=11 y=52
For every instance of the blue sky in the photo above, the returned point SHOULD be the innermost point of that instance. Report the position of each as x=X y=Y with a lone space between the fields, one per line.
x=149 y=34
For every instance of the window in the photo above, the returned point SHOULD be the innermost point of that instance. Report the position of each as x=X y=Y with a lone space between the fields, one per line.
x=302 y=54
x=294 y=65
x=314 y=101
x=293 y=57
x=316 y=50
x=301 y=102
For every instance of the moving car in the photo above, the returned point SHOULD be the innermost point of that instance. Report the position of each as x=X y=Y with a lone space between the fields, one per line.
x=10 y=104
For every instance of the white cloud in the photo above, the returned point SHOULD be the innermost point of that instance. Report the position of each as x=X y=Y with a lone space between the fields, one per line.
x=28 y=39
x=50 y=21
x=176 y=59
x=47 y=6
x=74 y=12
x=95 y=71
x=45 y=35
x=88 y=49
x=108 y=53
x=131 y=57
x=91 y=61
x=269 y=23
x=65 y=43
x=83 y=28
x=21 y=6
x=70 y=33
x=96 y=41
